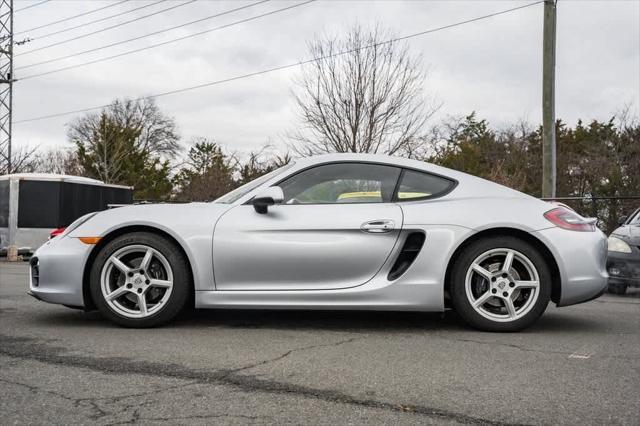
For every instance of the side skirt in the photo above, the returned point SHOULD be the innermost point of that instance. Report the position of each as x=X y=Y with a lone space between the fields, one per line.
x=413 y=297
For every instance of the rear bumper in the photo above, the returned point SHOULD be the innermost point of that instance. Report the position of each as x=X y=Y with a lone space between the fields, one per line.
x=57 y=270
x=581 y=259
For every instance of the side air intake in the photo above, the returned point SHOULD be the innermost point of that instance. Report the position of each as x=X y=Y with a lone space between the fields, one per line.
x=412 y=246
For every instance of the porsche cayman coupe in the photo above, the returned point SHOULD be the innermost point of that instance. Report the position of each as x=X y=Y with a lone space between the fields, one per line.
x=340 y=231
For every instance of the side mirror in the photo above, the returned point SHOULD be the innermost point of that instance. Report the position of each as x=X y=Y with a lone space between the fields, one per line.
x=267 y=197
x=622 y=220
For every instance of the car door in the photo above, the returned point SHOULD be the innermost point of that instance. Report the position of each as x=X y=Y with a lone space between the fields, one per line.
x=335 y=229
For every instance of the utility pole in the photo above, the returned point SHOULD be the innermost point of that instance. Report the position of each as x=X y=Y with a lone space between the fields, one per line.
x=6 y=79
x=549 y=101
x=6 y=99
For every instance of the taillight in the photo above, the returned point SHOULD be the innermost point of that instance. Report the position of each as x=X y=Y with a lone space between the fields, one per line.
x=567 y=219
x=56 y=232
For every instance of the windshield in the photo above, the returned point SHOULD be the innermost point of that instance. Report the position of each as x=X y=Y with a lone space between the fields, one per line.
x=635 y=220
x=241 y=191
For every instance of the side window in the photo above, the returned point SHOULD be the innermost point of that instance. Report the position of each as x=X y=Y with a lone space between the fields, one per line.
x=416 y=185
x=341 y=183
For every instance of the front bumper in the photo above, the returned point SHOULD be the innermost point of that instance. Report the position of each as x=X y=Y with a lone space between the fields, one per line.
x=57 y=270
x=624 y=268
x=581 y=259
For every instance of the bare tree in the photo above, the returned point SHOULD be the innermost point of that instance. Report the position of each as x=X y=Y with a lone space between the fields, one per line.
x=110 y=142
x=59 y=160
x=104 y=148
x=369 y=99
x=260 y=162
x=23 y=160
x=157 y=132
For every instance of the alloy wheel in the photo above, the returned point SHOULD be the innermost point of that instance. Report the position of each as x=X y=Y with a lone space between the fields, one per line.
x=502 y=284
x=136 y=281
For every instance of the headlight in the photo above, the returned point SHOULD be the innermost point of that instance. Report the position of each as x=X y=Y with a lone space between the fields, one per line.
x=616 y=244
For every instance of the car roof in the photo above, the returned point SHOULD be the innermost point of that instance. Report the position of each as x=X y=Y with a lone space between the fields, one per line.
x=472 y=185
x=376 y=158
x=386 y=159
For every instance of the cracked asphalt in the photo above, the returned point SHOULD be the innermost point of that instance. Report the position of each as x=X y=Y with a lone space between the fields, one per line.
x=578 y=365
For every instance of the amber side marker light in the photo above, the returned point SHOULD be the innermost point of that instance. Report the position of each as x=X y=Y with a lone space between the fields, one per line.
x=90 y=240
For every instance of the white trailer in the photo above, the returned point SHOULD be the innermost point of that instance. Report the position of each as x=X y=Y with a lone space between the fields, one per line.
x=34 y=204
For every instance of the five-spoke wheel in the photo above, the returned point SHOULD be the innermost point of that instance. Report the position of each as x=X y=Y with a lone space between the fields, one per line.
x=140 y=280
x=500 y=284
x=136 y=281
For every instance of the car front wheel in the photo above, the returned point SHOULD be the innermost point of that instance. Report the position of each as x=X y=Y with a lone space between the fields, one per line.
x=140 y=280
x=500 y=284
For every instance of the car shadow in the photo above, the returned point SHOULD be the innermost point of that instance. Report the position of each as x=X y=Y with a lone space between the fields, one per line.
x=367 y=321
x=270 y=319
x=362 y=321
x=315 y=320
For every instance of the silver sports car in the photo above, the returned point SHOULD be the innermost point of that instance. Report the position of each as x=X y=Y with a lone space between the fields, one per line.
x=342 y=231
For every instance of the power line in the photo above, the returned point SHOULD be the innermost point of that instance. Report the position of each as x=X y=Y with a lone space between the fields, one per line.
x=117 y=43
x=140 y=37
x=31 y=5
x=95 y=21
x=72 y=17
x=292 y=65
x=139 y=18
x=128 y=52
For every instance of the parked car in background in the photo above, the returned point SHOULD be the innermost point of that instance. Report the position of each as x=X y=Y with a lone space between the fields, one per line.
x=623 y=262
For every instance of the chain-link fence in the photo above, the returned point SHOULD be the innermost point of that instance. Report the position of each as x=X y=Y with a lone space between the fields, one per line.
x=608 y=210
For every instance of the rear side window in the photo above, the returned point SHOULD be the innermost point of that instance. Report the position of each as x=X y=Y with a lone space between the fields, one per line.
x=417 y=185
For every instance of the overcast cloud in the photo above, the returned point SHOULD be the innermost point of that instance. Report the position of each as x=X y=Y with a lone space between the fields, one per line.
x=492 y=67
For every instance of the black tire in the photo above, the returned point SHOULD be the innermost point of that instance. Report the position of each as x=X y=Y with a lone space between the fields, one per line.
x=619 y=289
x=181 y=290
x=463 y=306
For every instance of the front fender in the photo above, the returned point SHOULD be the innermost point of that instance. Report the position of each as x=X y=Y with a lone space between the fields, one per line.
x=190 y=225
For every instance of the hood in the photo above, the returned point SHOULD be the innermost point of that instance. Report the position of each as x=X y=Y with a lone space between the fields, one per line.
x=629 y=233
x=178 y=217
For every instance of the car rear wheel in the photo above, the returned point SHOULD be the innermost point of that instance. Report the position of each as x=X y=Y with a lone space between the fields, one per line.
x=140 y=280
x=500 y=284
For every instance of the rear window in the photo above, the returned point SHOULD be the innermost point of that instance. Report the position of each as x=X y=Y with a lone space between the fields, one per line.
x=418 y=185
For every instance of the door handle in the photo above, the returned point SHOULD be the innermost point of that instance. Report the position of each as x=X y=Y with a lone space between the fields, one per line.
x=378 y=226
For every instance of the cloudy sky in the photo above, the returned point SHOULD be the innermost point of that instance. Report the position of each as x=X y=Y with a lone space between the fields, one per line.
x=492 y=66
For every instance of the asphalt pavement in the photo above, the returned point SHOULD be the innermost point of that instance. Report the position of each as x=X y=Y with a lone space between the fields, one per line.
x=577 y=365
